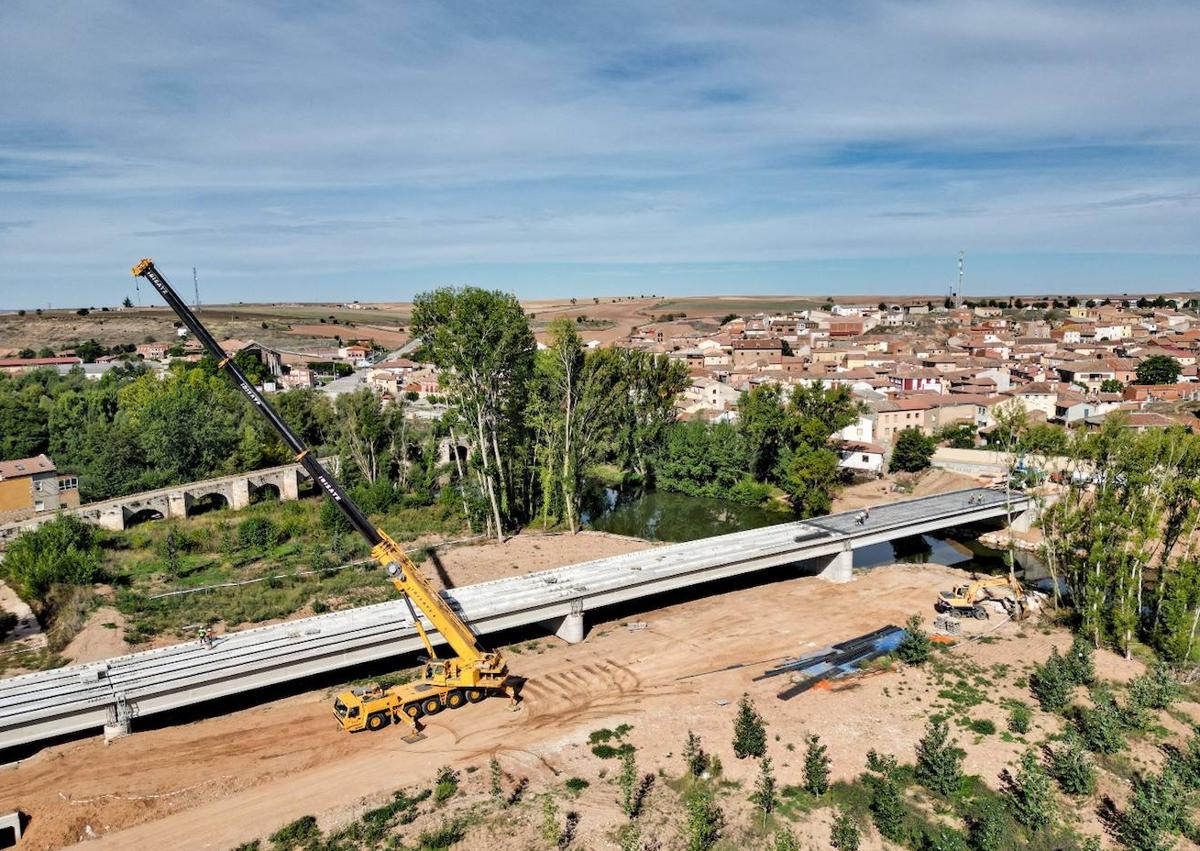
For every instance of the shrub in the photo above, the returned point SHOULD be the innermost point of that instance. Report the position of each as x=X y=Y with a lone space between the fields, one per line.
x=887 y=805
x=843 y=835
x=1019 y=717
x=749 y=731
x=627 y=781
x=983 y=726
x=551 y=831
x=1031 y=795
x=816 y=766
x=986 y=828
x=295 y=833
x=693 y=755
x=1079 y=665
x=1073 y=767
x=61 y=552
x=446 y=784
x=1151 y=814
x=1101 y=725
x=939 y=761
x=705 y=821
x=944 y=839
x=1155 y=689
x=1050 y=683
x=576 y=784
x=258 y=533
x=915 y=647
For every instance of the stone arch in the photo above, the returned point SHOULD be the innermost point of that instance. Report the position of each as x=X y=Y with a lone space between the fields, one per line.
x=205 y=502
x=142 y=515
x=264 y=492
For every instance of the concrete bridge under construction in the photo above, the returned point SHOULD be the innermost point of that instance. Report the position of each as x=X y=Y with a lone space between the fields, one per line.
x=111 y=694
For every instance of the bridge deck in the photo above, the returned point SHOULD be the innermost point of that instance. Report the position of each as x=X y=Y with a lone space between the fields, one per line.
x=40 y=705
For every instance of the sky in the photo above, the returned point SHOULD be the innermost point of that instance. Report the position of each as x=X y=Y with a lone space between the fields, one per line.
x=309 y=151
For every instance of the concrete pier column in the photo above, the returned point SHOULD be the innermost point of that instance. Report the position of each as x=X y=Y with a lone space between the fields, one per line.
x=839 y=567
x=570 y=628
x=116 y=725
x=239 y=494
x=289 y=485
x=1023 y=521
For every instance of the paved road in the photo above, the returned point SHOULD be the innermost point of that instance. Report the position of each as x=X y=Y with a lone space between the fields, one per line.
x=41 y=705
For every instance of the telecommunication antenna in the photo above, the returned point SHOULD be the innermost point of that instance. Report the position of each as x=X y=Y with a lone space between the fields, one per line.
x=195 y=289
x=958 y=298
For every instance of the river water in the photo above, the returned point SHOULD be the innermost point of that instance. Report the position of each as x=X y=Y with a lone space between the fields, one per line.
x=675 y=517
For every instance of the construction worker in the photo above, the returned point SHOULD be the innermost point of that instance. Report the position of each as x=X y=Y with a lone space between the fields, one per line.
x=866 y=514
x=205 y=638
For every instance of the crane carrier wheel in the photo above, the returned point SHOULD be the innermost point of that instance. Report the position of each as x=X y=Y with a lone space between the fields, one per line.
x=377 y=721
x=474 y=695
x=412 y=710
x=455 y=699
x=431 y=705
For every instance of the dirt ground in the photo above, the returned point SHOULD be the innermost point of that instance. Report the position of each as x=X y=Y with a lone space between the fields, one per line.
x=929 y=482
x=218 y=782
x=101 y=638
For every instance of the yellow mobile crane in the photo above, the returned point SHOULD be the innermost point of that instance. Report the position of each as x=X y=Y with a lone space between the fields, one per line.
x=470 y=676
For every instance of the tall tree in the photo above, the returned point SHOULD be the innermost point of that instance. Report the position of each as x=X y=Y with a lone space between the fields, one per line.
x=481 y=342
x=652 y=383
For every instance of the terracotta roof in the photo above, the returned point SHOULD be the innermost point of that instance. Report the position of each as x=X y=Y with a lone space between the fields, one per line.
x=38 y=361
x=21 y=467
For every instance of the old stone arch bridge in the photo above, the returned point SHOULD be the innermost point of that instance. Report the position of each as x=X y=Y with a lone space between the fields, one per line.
x=233 y=491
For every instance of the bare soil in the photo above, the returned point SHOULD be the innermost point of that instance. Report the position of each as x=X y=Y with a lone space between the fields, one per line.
x=221 y=781
x=927 y=483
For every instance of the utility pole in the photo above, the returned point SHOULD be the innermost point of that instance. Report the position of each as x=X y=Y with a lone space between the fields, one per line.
x=196 y=289
x=958 y=297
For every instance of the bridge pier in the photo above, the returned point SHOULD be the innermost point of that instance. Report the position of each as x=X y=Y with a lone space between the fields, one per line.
x=570 y=628
x=838 y=567
x=117 y=725
x=112 y=519
x=1023 y=521
x=177 y=504
x=289 y=486
x=239 y=494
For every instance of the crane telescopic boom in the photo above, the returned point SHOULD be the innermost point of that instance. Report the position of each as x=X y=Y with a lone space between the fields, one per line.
x=472 y=675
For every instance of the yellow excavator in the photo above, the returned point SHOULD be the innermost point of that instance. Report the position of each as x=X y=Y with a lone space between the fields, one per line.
x=967 y=599
x=470 y=676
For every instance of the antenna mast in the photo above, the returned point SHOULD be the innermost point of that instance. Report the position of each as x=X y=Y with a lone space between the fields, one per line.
x=196 y=289
x=958 y=298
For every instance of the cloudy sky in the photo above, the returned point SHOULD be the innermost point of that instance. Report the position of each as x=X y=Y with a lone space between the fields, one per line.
x=337 y=150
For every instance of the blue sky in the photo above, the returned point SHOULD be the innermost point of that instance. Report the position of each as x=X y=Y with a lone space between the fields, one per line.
x=370 y=150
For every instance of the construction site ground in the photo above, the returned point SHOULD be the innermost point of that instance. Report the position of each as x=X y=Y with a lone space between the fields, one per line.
x=221 y=781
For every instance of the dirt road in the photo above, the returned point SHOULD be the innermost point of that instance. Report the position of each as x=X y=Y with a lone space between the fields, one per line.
x=218 y=782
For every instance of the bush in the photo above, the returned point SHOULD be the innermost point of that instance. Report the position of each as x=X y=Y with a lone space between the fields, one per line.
x=1019 y=717
x=887 y=804
x=816 y=766
x=749 y=731
x=1079 y=665
x=843 y=835
x=258 y=533
x=1152 y=813
x=295 y=833
x=982 y=726
x=705 y=821
x=749 y=491
x=1032 y=798
x=1051 y=684
x=1102 y=725
x=986 y=828
x=61 y=552
x=576 y=784
x=915 y=647
x=1155 y=689
x=446 y=784
x=939 y=760
x=1073 y=767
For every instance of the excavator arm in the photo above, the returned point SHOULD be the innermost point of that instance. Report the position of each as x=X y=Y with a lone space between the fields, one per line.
x=405 y=576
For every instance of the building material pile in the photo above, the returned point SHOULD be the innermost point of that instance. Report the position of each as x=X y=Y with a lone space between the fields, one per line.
x=836 y=661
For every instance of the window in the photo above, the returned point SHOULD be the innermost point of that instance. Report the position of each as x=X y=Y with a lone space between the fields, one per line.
x=39 y=506
x=866 y=459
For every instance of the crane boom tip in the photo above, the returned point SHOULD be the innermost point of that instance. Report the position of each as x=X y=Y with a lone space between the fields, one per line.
x=140 y=268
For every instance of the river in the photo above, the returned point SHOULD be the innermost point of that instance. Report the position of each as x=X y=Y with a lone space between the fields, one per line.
x=675 y=517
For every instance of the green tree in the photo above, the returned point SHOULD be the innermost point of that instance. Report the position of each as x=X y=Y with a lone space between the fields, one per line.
x=749 y=731
x=764 y=796
x=1050 y=683
x=816 y=765
x=1158 y=369
x=844 y=835
x=939 y=760
x=1101 y=725
x=1073 y=767
x=127 y=302
x=701 y=459
x=763 y=421
x=627 y=781
x=912 y=451
x=482 y=343
x=915 y=646
x=61 y=552
x=1019 y=717
x=1156 y=689
x=652 y=384
x=1111 y=385
x=705 y=821
x=1078 y=666
x=551 y=829
x=887 y=805
x=785 y=840
x=1030 y=793
x=693 y=755
x=987 y=829
x=495 y=779
x=1151 y=814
